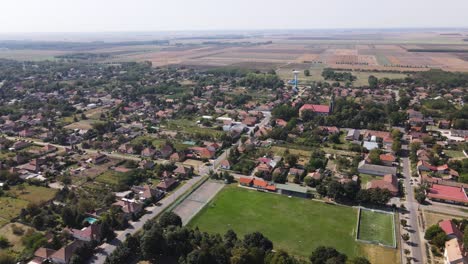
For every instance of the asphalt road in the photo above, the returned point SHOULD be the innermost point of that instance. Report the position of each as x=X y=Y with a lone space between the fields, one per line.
x=414 y=244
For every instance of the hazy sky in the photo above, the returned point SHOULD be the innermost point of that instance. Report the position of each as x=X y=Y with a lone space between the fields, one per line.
x=156 y=15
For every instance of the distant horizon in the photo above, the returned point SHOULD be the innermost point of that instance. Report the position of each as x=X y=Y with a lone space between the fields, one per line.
x=117 y=36
x=56 y=16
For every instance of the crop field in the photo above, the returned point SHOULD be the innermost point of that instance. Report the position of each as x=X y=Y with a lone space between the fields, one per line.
x=376 y=227
x=404 y=51
x=294 y=224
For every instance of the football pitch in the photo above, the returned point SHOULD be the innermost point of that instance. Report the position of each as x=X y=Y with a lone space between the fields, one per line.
x=377 y=227
x=294 y=224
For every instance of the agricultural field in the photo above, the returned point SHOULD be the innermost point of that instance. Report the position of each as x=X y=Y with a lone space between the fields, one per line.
x=294 y=224
x=377 y=227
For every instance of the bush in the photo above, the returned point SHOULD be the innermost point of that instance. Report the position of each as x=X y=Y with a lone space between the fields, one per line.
x=4 y=243
x=17 y=230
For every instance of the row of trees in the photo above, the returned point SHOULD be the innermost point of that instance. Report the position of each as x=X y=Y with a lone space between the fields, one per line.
x=167 y=241
x=329 y=74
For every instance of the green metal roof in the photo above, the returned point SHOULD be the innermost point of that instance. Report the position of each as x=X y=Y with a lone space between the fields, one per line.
x=291 y=188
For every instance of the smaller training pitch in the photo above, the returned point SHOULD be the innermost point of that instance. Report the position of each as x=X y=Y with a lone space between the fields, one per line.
x=376 y=227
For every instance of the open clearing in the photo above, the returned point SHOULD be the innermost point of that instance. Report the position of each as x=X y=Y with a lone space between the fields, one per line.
x=34 y=194
x=294 y=224
x=14 y=239
x=10 y=208
x=376 y=227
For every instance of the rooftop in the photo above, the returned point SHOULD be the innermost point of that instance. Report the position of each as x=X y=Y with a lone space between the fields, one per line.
x=448 y=193
x=291 y=187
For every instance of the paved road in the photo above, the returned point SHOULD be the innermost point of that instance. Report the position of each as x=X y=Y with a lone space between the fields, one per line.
x=414 y=245
x=107 y=248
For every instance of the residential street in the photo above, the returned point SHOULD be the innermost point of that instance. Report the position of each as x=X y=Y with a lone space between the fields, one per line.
x=107 y=248
x=414 y=243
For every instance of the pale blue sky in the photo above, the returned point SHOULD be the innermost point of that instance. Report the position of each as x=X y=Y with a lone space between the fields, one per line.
x=157 y=15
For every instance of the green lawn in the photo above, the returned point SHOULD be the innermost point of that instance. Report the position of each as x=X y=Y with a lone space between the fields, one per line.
x=365 y=178
x=34 y=194
x=454 y=153
x=10 y=207
x=294 y=224
x=376 y=226
x=112 y=177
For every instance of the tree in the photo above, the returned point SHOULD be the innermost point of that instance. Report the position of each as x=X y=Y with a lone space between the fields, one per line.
x=403 y=222
x=258 y=240
x=405 y=237
x=396 y=146
x=4 y=243
x=228 y=178
x=373 y=82
x=420 y=195
x=306 y=72
x=321 y=255
x=291 y=159
x=465 y=237
x=374 y=156
x=432 y=232
x=153 y=243
x=170 y=218
x=279 y=257
x=439 y=240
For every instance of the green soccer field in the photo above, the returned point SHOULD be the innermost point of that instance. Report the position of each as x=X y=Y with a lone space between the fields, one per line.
x=376 y=226
x=294 y=224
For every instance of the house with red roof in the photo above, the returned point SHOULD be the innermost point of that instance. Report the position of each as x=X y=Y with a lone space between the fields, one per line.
x=448 y=194
x=281 y=122
x=387 y=159
x=167 y=184
x=450 y=229
x=316 y=109
x=389 y=182
x=88 y=234
x=225 y=164
x=244 y=181
x=64 y=254
x=129 y=207
x=177 y=156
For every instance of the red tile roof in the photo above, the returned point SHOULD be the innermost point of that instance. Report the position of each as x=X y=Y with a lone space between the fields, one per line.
x=315 y=108
x=450 y=228
x=260 y=183
x=449 y=193
x=245 y=180
x=387 y=157
x=389 y=182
